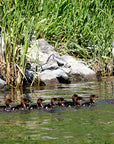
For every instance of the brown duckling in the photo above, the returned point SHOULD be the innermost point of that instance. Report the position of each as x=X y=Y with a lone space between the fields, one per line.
x=48 y=106
x=39 y=102
x=23 y=106
x=71 y=103
x=7 y=106
x=60 y=102
x=78 y=101
x=91 y=102
x=37 y=105
x=53 y=100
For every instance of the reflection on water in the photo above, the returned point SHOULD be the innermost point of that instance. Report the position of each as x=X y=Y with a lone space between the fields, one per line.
x=103 y=89
x=65 y=126
x=81 y=126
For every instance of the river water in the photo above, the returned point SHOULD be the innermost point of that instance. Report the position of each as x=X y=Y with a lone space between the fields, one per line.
x=93 y=125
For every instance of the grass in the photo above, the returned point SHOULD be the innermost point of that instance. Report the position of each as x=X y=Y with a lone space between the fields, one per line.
x=82 y=28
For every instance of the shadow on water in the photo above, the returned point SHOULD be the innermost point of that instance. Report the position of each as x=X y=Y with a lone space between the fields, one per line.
x=92 y=125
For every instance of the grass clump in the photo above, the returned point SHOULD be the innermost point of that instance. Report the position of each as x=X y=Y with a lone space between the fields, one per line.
x=82 y=28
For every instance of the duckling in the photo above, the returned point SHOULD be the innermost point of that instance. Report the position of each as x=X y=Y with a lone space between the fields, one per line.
x=77 y=104
x=37 y=105
x=23 y=106
x=91 y=102
x=60 y=102
x=53 y=100
x=71 y=103
x=48 y=106
x=7 y=106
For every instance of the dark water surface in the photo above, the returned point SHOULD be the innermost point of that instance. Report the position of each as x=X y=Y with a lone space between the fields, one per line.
x=93 y=125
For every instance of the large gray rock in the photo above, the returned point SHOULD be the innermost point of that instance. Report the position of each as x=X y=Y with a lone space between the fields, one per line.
x=54 y=68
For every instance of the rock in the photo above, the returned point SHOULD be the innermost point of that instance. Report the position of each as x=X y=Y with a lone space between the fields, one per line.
x=46 y=65
x=29 y=75
x=32 y=77
x=3 y=84
x=51 y=65
x=53 y=68
x=54 y=76
x=40 y=51
x=79 y=71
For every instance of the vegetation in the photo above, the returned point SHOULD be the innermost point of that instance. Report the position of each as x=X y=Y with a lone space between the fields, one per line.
x=82 y=28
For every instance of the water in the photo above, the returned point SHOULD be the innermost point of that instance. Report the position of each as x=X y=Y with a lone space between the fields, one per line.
x=93 y=125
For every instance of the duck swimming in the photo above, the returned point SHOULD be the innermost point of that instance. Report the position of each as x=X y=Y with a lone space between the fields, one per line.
x=48 y=106
x=23 y=106
x=7 y=106
x=73 y=102
x=91 y=102
x=78 y=101
x=37 y=105
x=60 y=102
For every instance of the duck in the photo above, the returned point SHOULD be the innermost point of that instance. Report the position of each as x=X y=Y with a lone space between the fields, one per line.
x=38 y=105
x=25 y=103
x=52 y=104
x=91 y=102
x=77 y=103
x=7 y=105
x=71 y=103
x=60 y=102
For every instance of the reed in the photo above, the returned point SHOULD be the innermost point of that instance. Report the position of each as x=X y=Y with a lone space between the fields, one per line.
x=16 y=31
x=82 y=28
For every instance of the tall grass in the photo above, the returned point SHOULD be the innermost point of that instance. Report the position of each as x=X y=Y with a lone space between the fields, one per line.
x=16 y=27
x=82 y=28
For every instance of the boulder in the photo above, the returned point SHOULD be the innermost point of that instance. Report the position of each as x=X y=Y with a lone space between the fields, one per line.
x=3 y=84
x=32 y=77
x=78 y=69
x=53 y=68
x=53 y=77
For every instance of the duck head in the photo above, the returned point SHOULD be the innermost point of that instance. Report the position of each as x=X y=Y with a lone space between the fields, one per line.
x=25 y=102
x=8 y=102
x=78 y=100
x=53 y=101
x=74 y=98
x=92 y=97
x=39 y=102
x=60 y=101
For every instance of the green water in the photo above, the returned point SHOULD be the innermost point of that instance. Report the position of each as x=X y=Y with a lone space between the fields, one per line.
x=65 y=126
x=84 y=126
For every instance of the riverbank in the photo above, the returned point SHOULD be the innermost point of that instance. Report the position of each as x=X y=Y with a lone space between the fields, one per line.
x=85 y=32
x=45 y=66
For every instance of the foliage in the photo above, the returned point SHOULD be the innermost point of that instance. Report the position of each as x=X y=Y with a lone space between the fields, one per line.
x=82 y=28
